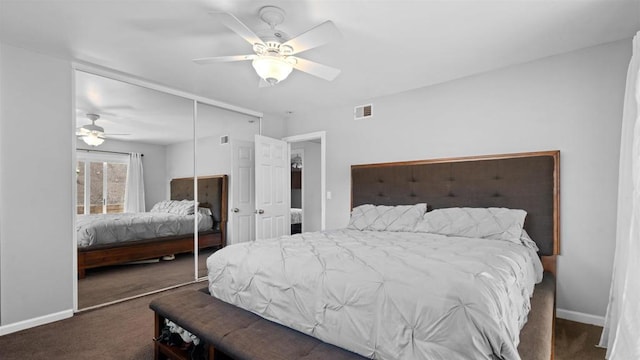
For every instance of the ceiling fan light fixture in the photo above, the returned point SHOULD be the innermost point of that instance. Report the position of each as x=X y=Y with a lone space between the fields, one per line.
x=92 y=139
x=92 y=134
x=272 y=69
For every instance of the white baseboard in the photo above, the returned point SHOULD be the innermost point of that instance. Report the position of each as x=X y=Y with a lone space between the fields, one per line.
x=580 y=317
x=29 y=323
x=26 y=324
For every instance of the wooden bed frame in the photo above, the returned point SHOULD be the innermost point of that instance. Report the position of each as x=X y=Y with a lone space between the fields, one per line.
x=212 y=193
x=528 y=181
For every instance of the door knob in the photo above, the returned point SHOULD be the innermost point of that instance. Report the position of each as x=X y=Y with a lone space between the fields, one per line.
x=260 y=211
x=235 y=210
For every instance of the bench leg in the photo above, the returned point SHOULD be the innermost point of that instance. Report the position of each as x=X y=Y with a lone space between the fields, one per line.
x=158 y=325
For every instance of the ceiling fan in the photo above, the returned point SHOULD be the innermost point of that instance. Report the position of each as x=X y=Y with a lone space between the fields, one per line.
x=92 y=134
x=273 y=58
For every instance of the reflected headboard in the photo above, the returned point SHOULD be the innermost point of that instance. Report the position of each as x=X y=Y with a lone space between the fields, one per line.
x=529 y=181
x=212 y=193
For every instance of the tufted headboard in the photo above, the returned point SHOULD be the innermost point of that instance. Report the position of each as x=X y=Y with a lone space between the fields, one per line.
x=212 y=193
x=529 y=181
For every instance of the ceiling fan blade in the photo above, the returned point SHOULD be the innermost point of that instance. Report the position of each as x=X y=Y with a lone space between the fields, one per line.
x=218 y=59
x=110 y=134
x=101 y=136
x=314 y=37
x=237 y=26
x=322 y=71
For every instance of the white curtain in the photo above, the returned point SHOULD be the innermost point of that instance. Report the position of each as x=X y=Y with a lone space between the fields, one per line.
x=621 y=334
x=134 y=191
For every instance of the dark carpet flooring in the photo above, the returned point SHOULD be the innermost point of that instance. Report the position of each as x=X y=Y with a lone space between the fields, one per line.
x=119 y=331
x=124 y=331
x=110 y=283
x=577 y=341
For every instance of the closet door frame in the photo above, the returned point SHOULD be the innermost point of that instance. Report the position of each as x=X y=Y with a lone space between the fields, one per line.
x=133 y=80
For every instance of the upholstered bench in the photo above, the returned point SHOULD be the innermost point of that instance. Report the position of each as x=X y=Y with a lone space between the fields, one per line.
x=236 y=333
x=231 y=332
x=538 y=334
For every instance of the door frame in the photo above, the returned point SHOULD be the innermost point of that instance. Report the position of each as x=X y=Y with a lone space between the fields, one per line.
x=322 y=136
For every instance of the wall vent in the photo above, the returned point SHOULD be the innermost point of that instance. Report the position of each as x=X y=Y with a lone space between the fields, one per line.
x=224 y=139
x=363 y=112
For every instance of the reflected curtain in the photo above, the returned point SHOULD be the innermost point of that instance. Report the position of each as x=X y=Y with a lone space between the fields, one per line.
x=621 y=333
x=134 y=191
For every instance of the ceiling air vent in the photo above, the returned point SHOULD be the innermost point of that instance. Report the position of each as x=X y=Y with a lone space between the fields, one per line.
x=224 y=139
x=362 y=112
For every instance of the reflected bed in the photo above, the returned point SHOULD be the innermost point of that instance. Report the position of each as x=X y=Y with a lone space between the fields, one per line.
x=112 y=239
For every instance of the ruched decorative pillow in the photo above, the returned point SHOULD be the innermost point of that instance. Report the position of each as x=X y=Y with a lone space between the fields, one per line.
x=162 y=206
x=386 y=218
x=526 y=240
x=487 y=223
x=178 y=207
x=183 y=207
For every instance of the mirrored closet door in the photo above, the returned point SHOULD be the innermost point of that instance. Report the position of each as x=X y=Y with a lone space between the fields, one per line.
x=216 y=130
x=135 y=198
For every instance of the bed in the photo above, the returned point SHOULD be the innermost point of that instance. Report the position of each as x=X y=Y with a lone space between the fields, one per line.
x=296 y=220
x=115 y=239
x=383 y=291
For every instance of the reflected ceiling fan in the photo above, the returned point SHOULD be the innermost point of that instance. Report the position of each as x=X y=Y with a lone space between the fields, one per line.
x=273 y=58
x=93 y=134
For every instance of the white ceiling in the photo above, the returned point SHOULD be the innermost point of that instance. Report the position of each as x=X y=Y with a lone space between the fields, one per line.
x=387 y=46
x=133 y=113
x=138 y=114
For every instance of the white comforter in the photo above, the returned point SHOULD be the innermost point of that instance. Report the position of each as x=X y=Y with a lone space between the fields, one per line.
x=97 y=229
x=386 y=295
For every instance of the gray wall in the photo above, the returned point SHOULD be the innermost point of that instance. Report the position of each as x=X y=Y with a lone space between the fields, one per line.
x=35 y=183
x=212 y=157
x=571 y=102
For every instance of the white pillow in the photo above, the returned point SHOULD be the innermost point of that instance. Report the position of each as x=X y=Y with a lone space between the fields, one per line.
x=184 y=207
x=487 y=223
x=386 y=218
x=526 y=240
x=162 y=206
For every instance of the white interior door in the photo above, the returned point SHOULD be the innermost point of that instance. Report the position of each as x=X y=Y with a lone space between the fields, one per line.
x=273 y=182
x=242 y=201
